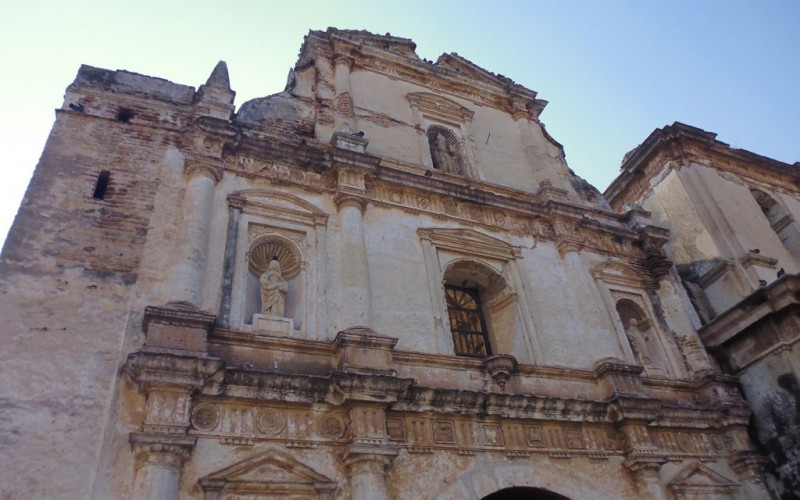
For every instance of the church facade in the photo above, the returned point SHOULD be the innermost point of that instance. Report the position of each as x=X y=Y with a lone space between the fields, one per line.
x=382 y=282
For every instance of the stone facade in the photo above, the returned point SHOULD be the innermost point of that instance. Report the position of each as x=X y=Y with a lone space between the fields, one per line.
x=463 y=316
x=734 y=240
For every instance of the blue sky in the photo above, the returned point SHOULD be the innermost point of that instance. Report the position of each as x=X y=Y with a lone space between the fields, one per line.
x=612 y=70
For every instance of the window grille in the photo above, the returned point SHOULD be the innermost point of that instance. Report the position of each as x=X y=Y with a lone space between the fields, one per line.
x=466 y=322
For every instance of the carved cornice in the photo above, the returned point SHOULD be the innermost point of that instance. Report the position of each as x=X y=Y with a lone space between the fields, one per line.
x=171 y=369
x=679 y=145
x=780 y=295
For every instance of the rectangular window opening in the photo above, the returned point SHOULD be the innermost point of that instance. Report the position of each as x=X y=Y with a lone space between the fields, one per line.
x=101 y=185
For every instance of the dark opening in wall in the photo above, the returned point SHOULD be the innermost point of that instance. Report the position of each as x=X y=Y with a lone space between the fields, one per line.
x=124 y=114
x=101 y=185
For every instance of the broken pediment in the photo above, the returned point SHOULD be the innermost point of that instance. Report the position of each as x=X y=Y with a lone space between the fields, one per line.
x=699 y=481
x=266 y=475
x=440 y=108
x=470 y=242
x=458 y=64
x=617 y=273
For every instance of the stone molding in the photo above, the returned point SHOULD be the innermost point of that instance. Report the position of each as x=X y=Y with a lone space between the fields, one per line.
x=164 y=368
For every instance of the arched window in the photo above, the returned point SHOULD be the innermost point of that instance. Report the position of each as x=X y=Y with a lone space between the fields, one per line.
x=465 y=313
x=447 y=152
x=479 y=304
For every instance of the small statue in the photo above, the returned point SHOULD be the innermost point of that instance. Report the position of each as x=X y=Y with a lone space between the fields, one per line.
x=638 y=340
x=273 y=290
x=445 y=158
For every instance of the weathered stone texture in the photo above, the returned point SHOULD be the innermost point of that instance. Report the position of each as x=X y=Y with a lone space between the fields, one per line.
x=458 y=315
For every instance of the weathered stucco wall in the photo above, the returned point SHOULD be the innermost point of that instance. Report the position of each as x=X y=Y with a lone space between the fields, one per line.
x=147 y=356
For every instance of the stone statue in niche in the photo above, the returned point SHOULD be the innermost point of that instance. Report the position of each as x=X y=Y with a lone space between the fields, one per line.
x=445 y=155
x=638 y=337
x=273 y=290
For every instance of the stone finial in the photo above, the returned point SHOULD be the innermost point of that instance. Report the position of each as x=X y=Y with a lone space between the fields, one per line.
x=219 y=77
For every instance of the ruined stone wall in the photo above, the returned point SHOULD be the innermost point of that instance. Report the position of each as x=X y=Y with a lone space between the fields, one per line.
x=69 y=269
x=141 y=355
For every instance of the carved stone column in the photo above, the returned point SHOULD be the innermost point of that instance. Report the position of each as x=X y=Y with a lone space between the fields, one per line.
x=370 y=453
x=645 y=471
x=188 y=272
x=343 y=113
x=158 y=465
x=367 y=475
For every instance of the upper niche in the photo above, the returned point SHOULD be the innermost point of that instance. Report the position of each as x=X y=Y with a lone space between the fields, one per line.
x=443 y=129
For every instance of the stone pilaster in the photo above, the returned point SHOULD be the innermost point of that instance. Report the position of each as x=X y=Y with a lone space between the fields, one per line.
x=189 y=272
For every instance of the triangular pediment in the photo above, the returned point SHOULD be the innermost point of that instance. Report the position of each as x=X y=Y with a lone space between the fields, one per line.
x=268 y=471
x=697 y=478
x=470 y=242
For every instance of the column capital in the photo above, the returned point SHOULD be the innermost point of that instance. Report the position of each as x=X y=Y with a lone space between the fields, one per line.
x=161 y=450
x=343 y=59
x=344 y=199
x=368 y=463
x=206 y=167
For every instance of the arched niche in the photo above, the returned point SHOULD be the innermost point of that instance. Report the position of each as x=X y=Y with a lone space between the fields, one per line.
x=447 y=151
x=264 y=223
x=624 y=290
x=263 y=249
x=478 y=298
x=642 y=336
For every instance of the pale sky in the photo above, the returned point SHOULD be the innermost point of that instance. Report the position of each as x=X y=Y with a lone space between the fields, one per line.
x=612 y=70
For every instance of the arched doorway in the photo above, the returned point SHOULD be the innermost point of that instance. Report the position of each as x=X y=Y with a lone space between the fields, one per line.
x=524 y=493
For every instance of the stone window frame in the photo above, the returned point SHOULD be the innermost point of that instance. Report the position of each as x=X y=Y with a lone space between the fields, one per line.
x=444 y=248
x=617 y=281
x=263 y=213
x=434 y=110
